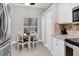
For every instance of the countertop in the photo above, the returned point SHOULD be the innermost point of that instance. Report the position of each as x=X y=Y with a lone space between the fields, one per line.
x=63 y=37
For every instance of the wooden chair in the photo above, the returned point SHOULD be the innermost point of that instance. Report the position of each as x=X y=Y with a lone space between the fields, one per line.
x=35 y=41
x=21 y=42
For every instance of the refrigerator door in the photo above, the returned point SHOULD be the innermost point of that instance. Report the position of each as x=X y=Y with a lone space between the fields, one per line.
x=5 y=31
x=8 y=27
x=5 y=48
x=3 y=24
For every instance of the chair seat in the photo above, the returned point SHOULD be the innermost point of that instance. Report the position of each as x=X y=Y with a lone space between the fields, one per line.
x=25 y=40
x=22 y=42
x=35 y=41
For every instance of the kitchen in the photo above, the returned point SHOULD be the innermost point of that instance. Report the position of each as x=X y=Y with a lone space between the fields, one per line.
x=54 y=24
x=51 y=23
x=63 y=41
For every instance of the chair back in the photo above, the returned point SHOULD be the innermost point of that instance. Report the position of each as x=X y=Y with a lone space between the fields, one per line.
x=19 y=37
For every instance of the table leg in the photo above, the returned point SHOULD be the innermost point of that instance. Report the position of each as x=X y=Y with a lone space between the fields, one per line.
x=33 y=46
x=22 y=47
x=29 y=44
x=17 y=46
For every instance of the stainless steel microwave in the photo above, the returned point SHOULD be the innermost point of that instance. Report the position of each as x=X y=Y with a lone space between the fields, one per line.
x=75 y=14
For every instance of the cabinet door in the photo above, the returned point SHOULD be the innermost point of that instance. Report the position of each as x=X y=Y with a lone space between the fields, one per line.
x=65 y=12
x=57 y=47
x=43 y=29
x=48 y=30
x=53 y=47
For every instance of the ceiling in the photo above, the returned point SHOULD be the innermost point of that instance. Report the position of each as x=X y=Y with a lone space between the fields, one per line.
x=37 y=5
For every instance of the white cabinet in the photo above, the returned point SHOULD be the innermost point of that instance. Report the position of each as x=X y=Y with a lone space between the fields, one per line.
x=48 y=29
x=57 y=47
x=43 y=29
x=48 y=20
x=65 y=12
x=60 y=47
x=53 y=46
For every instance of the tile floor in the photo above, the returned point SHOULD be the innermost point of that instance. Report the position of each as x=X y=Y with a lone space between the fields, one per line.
x=40 y=50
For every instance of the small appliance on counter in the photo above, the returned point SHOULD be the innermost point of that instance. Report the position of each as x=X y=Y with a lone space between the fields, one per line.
x=63 y=30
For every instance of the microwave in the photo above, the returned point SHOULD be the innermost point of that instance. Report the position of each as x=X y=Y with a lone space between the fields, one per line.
x=75 y=14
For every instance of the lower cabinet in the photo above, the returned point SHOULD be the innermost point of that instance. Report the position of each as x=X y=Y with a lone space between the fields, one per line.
x=57 y=47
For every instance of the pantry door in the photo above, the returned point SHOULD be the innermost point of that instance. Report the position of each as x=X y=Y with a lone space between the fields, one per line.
x=48 y=29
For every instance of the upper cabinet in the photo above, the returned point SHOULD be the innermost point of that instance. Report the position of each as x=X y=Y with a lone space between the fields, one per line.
x=65 y=12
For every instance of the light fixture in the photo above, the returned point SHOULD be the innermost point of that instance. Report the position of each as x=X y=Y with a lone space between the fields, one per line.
x=28 y=4
x=32 y=3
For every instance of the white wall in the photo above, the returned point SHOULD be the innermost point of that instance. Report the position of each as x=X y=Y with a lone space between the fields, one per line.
x=18 y=14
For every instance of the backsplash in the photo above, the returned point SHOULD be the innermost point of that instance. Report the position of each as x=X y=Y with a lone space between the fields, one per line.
x=71 y=27
x=56 y=28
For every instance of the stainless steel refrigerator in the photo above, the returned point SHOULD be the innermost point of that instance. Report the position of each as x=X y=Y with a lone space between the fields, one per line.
x=5 y=30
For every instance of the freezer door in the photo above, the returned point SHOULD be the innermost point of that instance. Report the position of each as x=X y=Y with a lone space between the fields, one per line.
x=5 y=48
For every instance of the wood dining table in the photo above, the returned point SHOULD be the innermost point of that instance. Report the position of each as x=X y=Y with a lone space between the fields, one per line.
x=29 y=38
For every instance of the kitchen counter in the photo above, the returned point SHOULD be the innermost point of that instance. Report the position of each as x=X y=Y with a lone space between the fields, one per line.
x=63 y=37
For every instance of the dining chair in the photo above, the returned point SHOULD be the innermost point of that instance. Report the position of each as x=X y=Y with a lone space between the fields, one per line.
x=35 y=41
x=21 y=41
